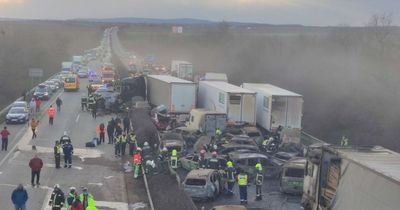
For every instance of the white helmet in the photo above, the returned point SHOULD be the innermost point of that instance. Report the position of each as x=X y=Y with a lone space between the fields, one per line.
x=146 y=143
x=56 y=186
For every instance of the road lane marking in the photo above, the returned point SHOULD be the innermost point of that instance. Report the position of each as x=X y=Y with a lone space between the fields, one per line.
x=50 y=165
x=96 y=183
x=77 y=118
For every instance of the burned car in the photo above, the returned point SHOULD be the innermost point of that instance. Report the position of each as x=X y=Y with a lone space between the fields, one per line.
x=173 y=141
x=292 y=176
x=224 y=149
x=203 y=184
x=272 y=167
x=191 y=162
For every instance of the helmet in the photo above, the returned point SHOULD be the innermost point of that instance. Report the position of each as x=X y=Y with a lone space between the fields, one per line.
x=164 y=149
x=146 y=143
x=214 y=154
x=229 y=164
x=174 y=152
x=56 y=186
x=138 y=149
x=72 y=189
x=258 y=166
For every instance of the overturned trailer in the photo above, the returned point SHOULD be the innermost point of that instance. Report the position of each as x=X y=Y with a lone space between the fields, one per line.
x=340 y=178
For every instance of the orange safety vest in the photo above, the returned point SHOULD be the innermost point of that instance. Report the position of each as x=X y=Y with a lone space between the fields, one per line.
x=51 y=112
x=137 y=158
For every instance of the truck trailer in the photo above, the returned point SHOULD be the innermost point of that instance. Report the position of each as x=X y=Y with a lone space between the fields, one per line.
x=178 y=95
x=356 y=177
x=238 y=103
x=182 y=69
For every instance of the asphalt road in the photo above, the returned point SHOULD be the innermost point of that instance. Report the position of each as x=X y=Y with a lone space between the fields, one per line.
x=94 y=168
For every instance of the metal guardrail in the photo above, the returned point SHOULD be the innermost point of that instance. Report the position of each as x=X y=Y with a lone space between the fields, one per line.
x=147 y=189
x=307 y=139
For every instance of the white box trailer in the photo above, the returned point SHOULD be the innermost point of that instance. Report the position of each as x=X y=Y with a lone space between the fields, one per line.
x=277 y=106
x=182 y=69
x=238 y=103
x=355 y=177
x=178 y=95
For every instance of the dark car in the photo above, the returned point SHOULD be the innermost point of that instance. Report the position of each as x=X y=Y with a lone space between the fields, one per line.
x=271 y=167
x=224 y=149
x=173 y=141
x=43 y=92
x=254 y=134
x=191 y=162
x=17 y=115
x=242 y=139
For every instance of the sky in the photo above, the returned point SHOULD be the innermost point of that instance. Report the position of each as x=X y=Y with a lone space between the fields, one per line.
x=305 y=12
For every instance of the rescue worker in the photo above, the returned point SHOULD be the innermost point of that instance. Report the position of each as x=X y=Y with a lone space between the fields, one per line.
x=101 y=131
x=242 y=182
x=71 y=198
x=137 y=159
x=91 y=101
x=146 y=150
x=132 y=142
x=4 y=138
x=117 y=146
x=127 y=124
x=38 y=104
x=94 y=110
x=202 y=159
x=68 y=150
x=123 y=143
x=110 y=131
x=34 y=124
x=32 y=107
x=259 y=181
x=213 y=163
x=118 y=129
x=57 y=198
x=51 y=112
x=344 y=142
x=230 y=176
x=59 y=103
x=174 y=159
x=84 y=102
x=57 y=154
x=218 y=134
x=86 y=198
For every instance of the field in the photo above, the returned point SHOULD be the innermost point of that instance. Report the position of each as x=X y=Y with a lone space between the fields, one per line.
x=38 y=44
x=348 y=76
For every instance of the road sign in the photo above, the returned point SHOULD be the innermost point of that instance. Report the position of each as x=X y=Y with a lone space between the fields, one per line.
x=35 y=72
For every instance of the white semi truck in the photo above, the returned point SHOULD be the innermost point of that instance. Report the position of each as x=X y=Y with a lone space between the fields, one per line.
x=178 y=95
x=339 y=178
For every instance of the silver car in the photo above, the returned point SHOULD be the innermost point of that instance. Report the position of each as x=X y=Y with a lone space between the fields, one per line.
x=17 y=115
x=202 y=184
x=52 y=85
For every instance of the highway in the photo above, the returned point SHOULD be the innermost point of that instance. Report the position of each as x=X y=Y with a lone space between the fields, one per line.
x=97 y=169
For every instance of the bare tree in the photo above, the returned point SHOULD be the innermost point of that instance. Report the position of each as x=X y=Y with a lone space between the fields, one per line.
x=380 y=27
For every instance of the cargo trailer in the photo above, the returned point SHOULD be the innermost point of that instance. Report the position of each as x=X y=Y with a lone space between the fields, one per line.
x=178 y=95
x=182 y=69
x=238 y=103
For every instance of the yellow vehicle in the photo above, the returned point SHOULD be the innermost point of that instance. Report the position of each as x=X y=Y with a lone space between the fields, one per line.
x=71 y=83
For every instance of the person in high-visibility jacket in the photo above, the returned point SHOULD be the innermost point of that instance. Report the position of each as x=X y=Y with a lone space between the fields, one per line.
x=218 y=134
x=344 y=142
x=174 y=159
x=132 y=142
x=70 y=198
x=51 y=112
x=57 y=154
x=242 y=182
x=123 y=140
x=137 y=159
x=259 y=181
x=230 y=176
x=117 y=145
x=86 y=198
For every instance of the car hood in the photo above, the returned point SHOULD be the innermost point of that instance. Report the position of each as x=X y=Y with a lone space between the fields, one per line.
x=16 y=115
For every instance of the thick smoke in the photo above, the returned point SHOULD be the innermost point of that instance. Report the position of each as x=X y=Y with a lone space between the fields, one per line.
x=350 y=85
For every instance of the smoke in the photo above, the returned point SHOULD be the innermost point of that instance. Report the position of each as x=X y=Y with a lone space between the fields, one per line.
x=349 y=86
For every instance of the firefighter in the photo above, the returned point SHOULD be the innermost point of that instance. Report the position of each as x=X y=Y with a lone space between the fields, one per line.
x=242 y=182
x=84 y=102
x=123 y=140
x=91 y=101
x=218 y=134
x=86 y=198
x=174 y=159
x=259 y=181
x=71 y=198
x=57 y=154
x=202 y=159
x=230 y=176
x=213 y=163
x=137 y=159
x=117 y=145
x=57 y=198
x=344 y=142
x=132 y=142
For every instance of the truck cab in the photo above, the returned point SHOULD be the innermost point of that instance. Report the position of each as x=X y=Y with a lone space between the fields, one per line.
x=205 y=121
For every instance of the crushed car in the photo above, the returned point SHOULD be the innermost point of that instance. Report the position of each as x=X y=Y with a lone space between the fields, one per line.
x=204 y=184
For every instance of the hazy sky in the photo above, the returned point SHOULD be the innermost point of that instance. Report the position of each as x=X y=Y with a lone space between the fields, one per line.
x=307 y=12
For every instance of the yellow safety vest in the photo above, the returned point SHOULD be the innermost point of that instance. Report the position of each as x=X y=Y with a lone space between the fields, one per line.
x=242 y=179
x=174 y=161
x=58 y=149
x=123 y=139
